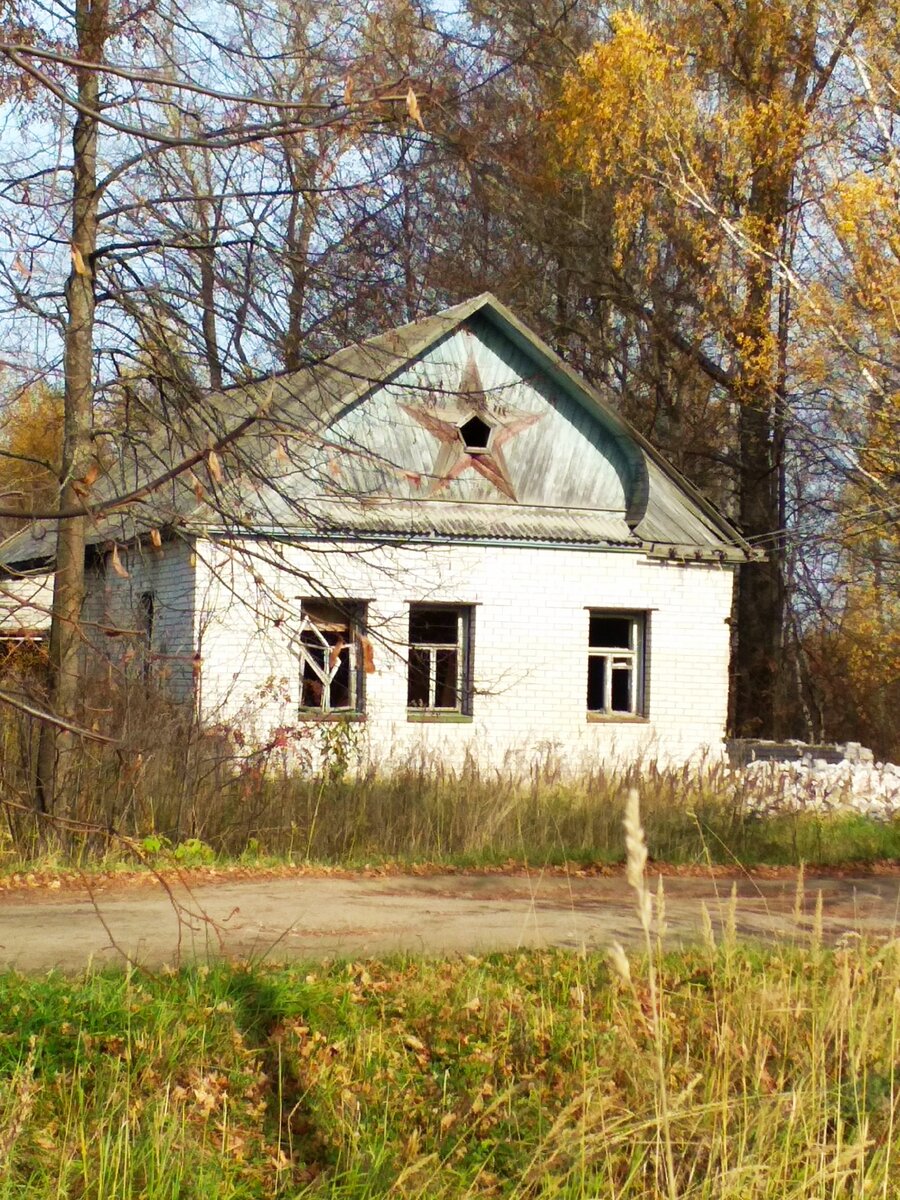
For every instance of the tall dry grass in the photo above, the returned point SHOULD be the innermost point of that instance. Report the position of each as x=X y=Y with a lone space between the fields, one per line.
x=302 y=796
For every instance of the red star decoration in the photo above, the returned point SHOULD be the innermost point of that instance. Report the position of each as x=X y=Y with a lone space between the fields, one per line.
x=454 y=456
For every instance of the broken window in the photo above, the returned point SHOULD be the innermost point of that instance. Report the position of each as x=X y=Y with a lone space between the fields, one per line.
x=615 y=683
x=333 y=658
x=439 y=650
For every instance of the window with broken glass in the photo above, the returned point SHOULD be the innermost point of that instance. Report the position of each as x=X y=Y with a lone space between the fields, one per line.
x=615 y=684
x=331 y=656
x=439 y=654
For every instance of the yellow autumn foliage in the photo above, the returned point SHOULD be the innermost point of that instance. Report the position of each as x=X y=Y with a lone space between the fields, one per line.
x=722 y=135
x=653 y=105
x=697 y=137
x=854 y=647
x=31 y=428
x=855 y=663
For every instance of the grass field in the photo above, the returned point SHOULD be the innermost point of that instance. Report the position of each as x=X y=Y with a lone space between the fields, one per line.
x=525 y=1075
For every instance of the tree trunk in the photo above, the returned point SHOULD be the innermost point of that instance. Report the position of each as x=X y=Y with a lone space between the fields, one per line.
x=206 y=256
x=761 y=586
x=298 y=235
x=57 y=755
x=761 y=598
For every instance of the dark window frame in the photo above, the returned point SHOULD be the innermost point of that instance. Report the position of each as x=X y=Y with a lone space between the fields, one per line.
x=617 y=664
x=436 y=652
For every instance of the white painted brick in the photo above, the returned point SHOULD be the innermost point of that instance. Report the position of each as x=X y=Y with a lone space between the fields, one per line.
x=530 y=651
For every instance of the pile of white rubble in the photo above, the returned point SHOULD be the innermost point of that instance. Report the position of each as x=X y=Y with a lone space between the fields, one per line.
x=856 y=783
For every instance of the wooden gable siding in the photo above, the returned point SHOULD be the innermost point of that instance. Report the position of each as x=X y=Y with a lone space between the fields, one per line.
x=565 y=459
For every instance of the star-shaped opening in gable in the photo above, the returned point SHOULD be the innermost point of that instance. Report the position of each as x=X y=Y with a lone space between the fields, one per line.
x=472 y=433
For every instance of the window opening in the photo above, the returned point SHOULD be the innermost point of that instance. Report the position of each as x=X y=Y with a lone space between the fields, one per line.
x=615 y=663
x=330 y=676
x=147 y=614
x=438 y=658
x=146 y=619
x=476 y=435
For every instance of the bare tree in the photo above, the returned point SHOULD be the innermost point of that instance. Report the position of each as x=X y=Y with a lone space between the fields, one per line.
x=175 y=227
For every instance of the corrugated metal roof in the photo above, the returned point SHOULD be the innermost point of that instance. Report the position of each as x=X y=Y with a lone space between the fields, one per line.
x=435 y=518
x=668 y=519
x=254 y=414
x=37 y=541
x=248 y=424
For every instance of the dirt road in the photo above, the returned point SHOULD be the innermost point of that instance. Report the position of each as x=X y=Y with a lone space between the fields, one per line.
x=313 y=917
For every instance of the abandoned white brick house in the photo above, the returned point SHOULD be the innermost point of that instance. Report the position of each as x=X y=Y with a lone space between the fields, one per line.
x=442 y=534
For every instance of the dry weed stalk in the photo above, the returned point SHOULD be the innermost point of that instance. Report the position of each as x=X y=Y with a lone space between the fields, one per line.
x=635 y=873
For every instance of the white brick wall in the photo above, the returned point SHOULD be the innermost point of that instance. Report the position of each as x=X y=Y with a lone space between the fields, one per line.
x=113 y=604
x=530 y=645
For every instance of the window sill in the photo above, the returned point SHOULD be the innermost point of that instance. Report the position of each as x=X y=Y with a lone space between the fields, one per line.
x=596 y=718
x=441 y=718
x=319 y=718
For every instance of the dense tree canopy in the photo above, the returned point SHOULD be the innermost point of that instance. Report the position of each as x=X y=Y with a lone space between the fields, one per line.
x=696 y=203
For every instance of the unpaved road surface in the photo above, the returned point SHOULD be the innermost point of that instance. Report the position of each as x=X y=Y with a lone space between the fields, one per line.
x=314 y=917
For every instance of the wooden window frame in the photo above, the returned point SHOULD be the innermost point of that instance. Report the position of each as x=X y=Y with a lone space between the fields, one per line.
x=323 y=651
x=463 y=646
x=630 y=660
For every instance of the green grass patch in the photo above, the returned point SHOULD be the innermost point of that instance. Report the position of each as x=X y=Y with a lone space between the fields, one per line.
x=524 y=1075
